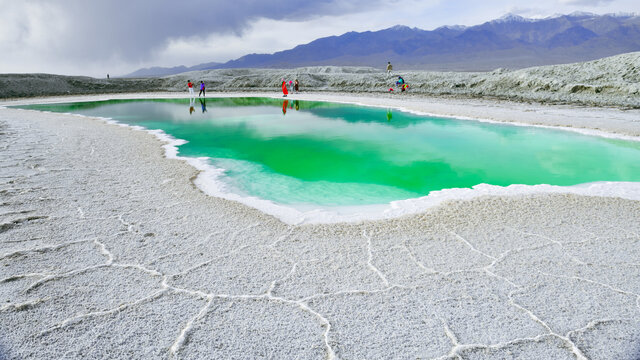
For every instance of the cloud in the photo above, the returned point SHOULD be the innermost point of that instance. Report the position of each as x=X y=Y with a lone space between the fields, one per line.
x=269 y=35
x=133 y=29
x=586 y=2
x=119 y=36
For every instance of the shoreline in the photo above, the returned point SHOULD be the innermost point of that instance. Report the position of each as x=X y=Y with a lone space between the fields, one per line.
x=207 y=178
x=102 y=236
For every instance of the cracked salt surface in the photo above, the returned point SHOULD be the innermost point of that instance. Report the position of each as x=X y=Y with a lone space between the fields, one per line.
x=101 y=257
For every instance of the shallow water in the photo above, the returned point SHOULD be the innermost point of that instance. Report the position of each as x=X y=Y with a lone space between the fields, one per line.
x=303 y=152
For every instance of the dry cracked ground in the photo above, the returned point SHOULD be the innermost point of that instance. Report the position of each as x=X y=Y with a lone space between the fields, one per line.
x=107 y=250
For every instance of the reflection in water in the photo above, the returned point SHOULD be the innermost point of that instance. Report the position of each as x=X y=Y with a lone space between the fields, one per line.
x=192 y=104
x=389 y=115
x=203 y=104
x=285 y=105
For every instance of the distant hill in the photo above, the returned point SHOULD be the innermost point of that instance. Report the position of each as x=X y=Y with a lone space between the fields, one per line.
x=611 y=81
x=157 y=71
x=509 y=42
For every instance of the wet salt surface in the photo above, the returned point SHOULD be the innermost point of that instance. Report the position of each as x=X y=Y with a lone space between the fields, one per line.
x=107 y=251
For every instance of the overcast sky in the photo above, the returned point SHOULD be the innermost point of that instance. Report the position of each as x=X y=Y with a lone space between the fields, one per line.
x=95 y=37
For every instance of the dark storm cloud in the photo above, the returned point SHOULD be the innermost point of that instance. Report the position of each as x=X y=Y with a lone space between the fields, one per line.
x=132 y=29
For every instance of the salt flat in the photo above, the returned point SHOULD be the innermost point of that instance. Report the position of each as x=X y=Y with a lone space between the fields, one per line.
x=108 y=250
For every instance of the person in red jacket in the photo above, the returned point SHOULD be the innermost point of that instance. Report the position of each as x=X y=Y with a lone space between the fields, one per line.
x=190 y=86
x=284 y=88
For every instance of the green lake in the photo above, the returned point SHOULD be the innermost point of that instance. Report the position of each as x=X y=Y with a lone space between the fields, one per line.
x=317 y=153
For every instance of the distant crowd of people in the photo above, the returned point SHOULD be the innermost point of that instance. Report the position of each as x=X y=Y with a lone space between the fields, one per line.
x=293 y=86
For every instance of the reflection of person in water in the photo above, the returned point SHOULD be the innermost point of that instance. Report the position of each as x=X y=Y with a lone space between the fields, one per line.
x=297 y=103
x=284 y=107
x=389 y=115
x=192 y=104
x=203 y=104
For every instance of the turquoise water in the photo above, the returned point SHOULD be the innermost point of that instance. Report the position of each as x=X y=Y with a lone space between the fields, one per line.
x=304 y=152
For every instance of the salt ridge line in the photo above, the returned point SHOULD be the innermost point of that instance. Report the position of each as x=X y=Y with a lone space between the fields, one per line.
x=208 y=180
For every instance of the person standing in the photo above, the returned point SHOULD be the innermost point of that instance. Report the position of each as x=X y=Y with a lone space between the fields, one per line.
x=190 y=86
x=296 y=84
x=389 y=67
x=202 y=91
x=285 y=92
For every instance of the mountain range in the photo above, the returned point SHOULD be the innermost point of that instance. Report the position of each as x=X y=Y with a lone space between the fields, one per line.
x=511 y=41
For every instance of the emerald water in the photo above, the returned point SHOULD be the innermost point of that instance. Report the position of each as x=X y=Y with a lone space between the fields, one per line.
x=305 y=152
